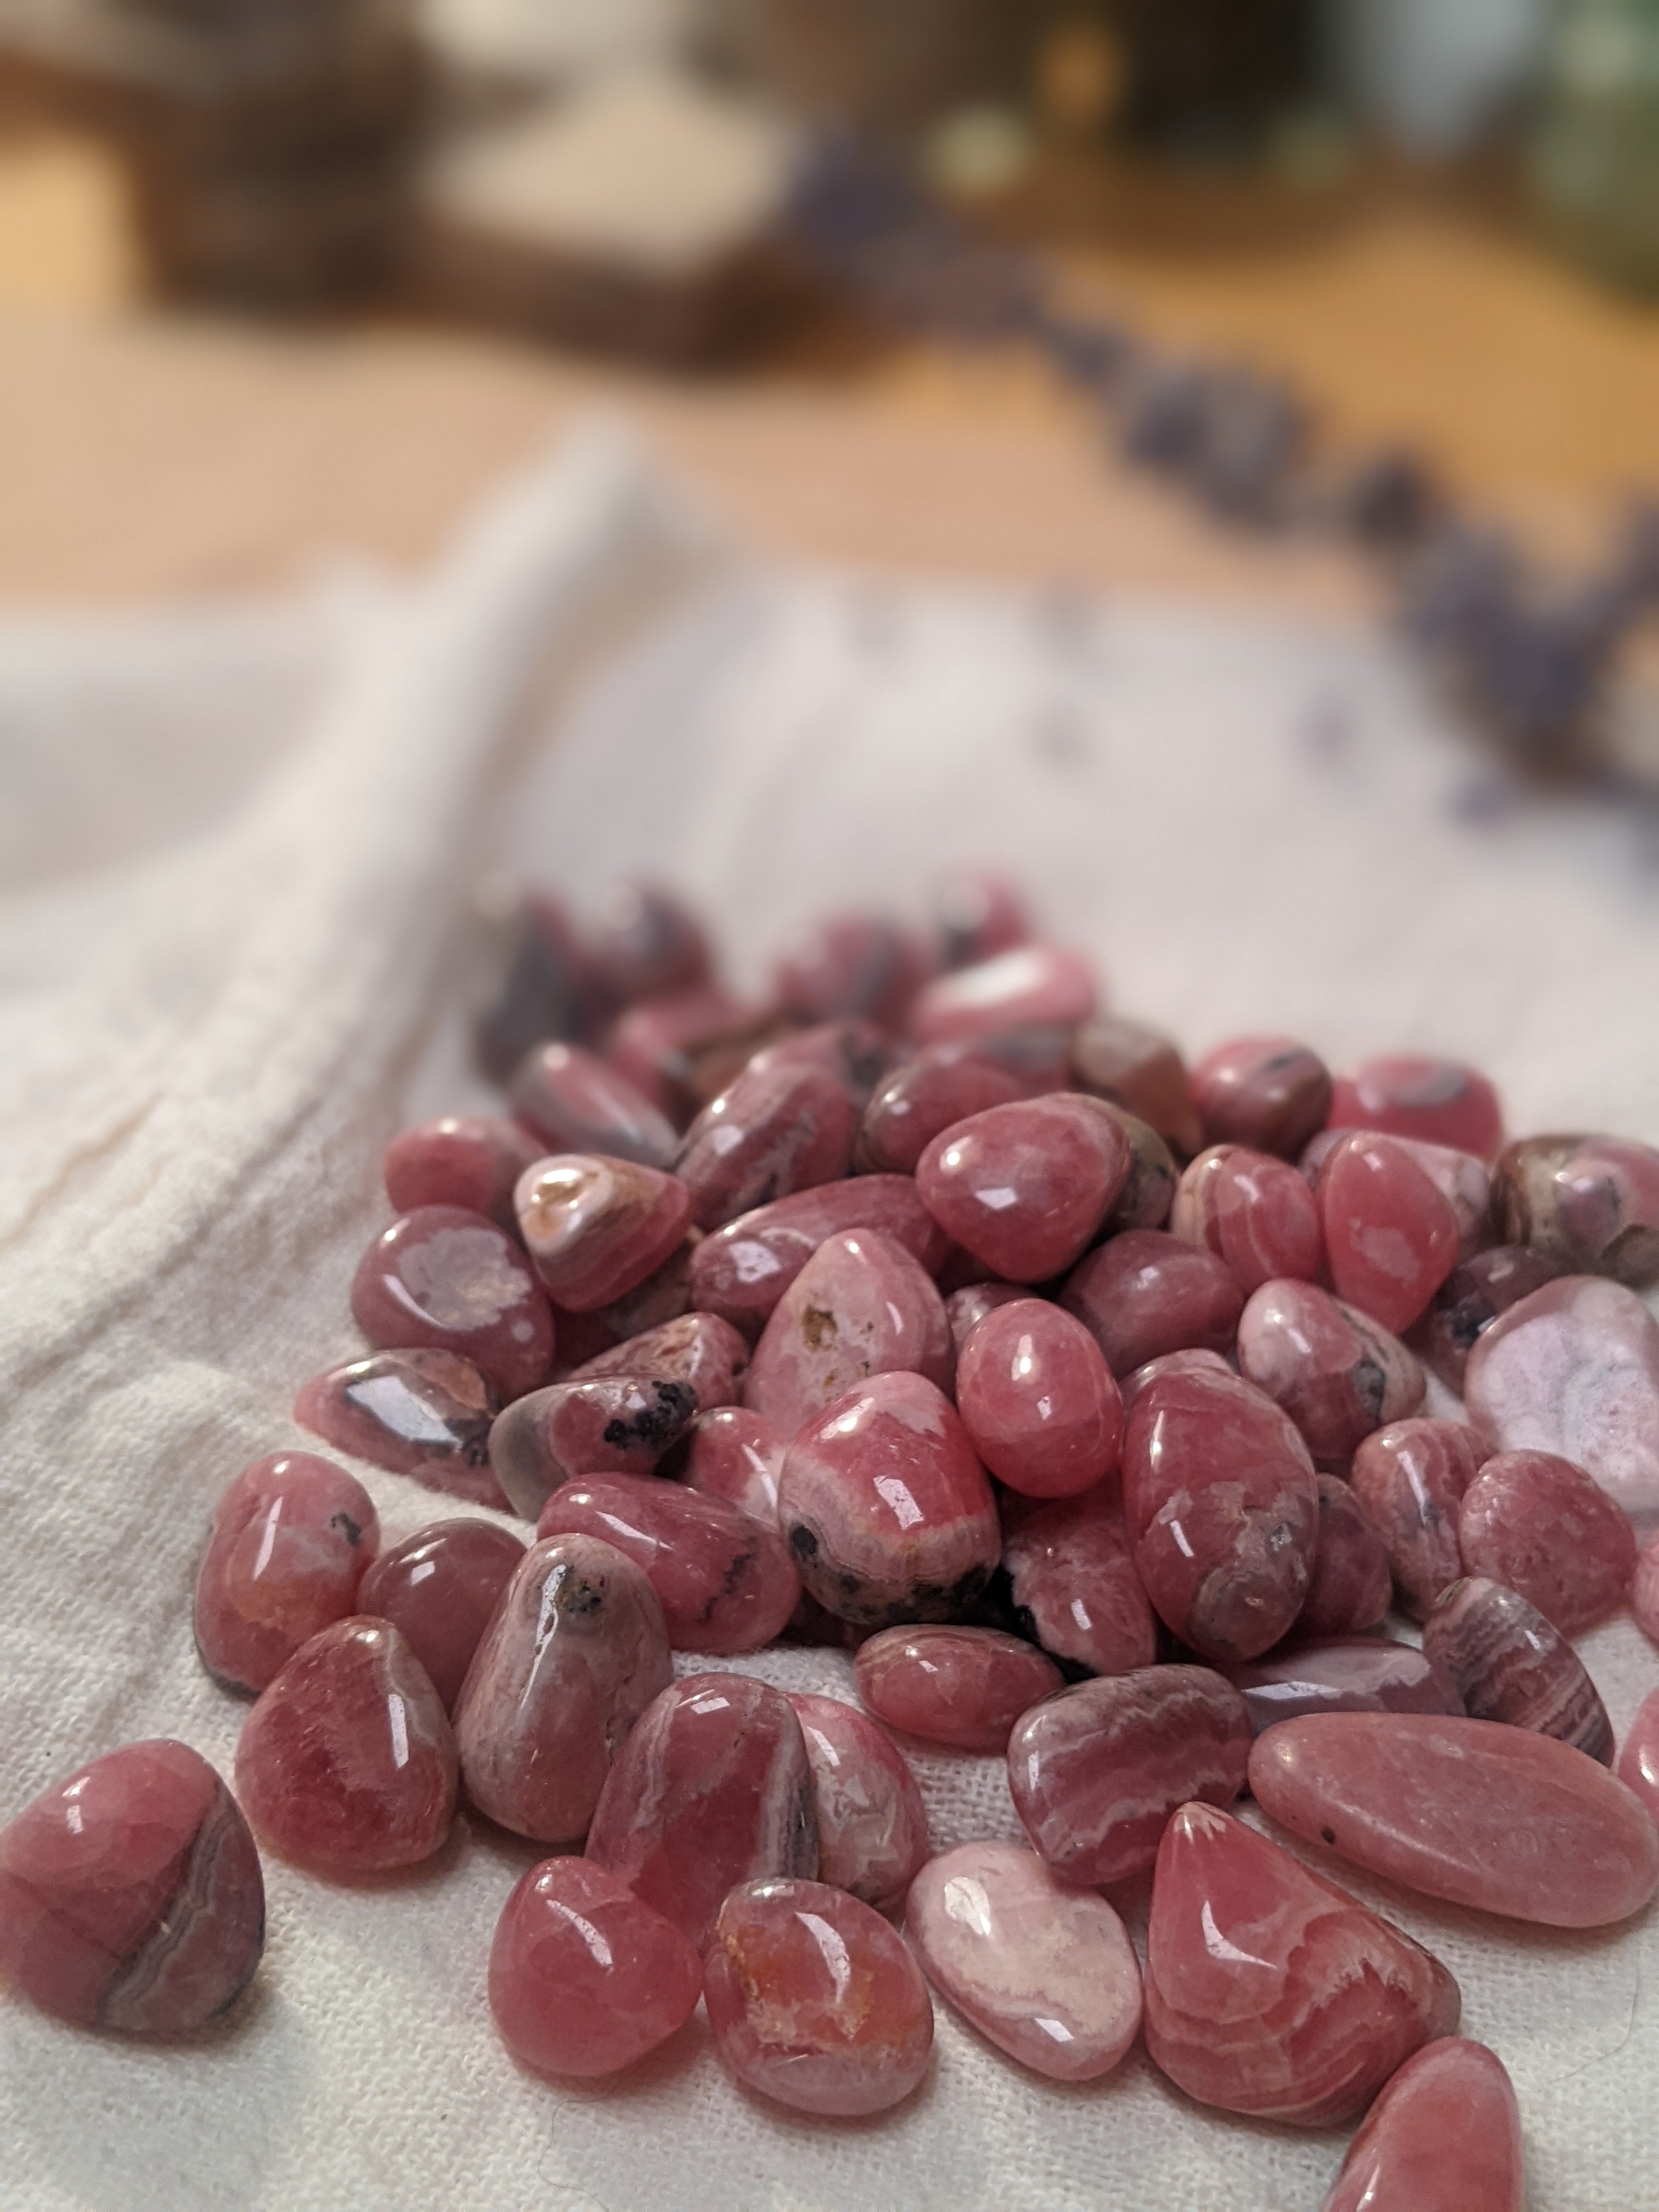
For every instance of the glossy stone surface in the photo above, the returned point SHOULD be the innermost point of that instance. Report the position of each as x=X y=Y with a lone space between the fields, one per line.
x=1141 y=1070
x=737 y=1456
x=698 y=1349
x=978 y=914
x=926 y=1094
x=1269 y=1990
x=573 y=1655
x=346 y=1766
x=1038 y=1398
x=872 y=1826
x=615 y=1424
x=1149 y=1188
x=1637 y=1766
x=771 y=1131
x=1590 y=1203
x=1440 y=1102
x=1574 y=1369
x=1510 y=1665
x=849 y=963
x=1410 y=1479
x=1031 y=986
x=1339 y=1373
x=1391 y=1236
x=422 y=1413
x=1025 y=1187
x=964 y=1308
x=860 y=1306
x=1073 y=1583
x=1222 y=1511
x=596 y=1228
x=664 y=1295
x=887 y=1511
x=859 y=1053
x=289 y=1541
x=1470 y=1299
x=470 y=1160
x=743 y=1270
x=815 y=2001
x=537 y=981
x=1253 y=1212
x=1170 y=1363
x=1352 y=1585
x=713 y=1788
x=439 y=1587
x=644 y=943
x=585 y=1978
x=1444 y=2135
x=445 y=1280
x=963 y=1686
x=1096 y=1772
x=1268 y=1093
x=575 y=1101
x=663 y=1046
x=1146 y=1293
x=1539 y=1525
x=1045 y=1971
x=130 y=1895
x=1343 y=1674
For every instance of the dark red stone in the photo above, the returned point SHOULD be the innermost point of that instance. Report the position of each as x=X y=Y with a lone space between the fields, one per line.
x=1038 y=1398
x=1268 y=1093
x=1351 y=1584
x=926 y=1094
x=1510 y=1665
x=596 y=1228
x=1470 y=1300
x=427 y=1415
x=1391 y=1236
x=849 y=964
x=1145 y=1293
x=439 y=1587
x=963 y=1686
x=857 y=1052
x=743 y=1270
x=771 y=1131
x=1253 y=1212
x=469 y=1160
x=575 y=1101
x=1410 y=1479
x=1025 y=1186
x=444 y=1280
x=1073 y=1583
x=1031 y=986
x=1343 y=1674
x=616 y=1424
x=644 y=943
x=698 y=1348
x=1440 y=1102
x=1337 y=1374
x=1141 y=1070
x=1591 y=1204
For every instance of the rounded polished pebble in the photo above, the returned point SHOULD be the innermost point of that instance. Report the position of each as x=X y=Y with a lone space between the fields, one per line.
x=860 y=1306
x=1340 y=1375
x=737 y=1456
x=1253 y=1212
x=1268 y=1093
x=613 y=1424
x=1031 y=987
x=712 y=1787
x=663 y=1045
x=1269 y=1990
x=815 y=2001
x=1539 y=1525
x=1149 y=1188
x=978 y=914
x=595 y=1228
x=346 y=1766
x=1470 y=1811
x=1170 y=1363
x=1038 y=1398
x=444 y=1280
x=1469 y=1300
x=470 y=1160
x=644 y=943
x=849 y=964
x=1096 y=1772
x=1510 y=1665
x=130 y=1895
x=1343 y=1674
x=1074 y=1586
x=1444 y=2135
x=1439 y=1102
x=888 y=1513
x=970 y=1304
x=1145 y=1293
x=872 y=1825
x=771 y=1131
x=1352 y=1585
x=1140 y=1069
x=585 y=1978
x=1590 y=1203
x=857 y=1052
x=926 y=1094
x=1025 y=1187
x=698 y=1349
x=440 y=1587
x=1045 y=1971
x=742 y=1271
x=963 y=1686
x=1637 y=1766
x=426 y=1414
x=1391 y=1235
x=289 y=1541
x=1410 y=1479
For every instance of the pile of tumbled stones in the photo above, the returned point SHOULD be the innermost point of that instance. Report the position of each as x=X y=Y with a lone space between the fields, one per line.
x=929 y=1311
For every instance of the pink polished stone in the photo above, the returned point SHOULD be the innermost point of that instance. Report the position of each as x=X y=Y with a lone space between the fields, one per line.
x=584 y=1979
x=574 y=1653
x=1222 y=1510
x=1644 y=1590
x=1149 y=1188
x=1031 y=986
x=538 y=981
x=1440 y=1102
x=644 y=943
x=660 y=1045
x=596 y=1228
x=1590 y=1203
x=1338 y=1373
x=1096 y=1772
x=872 y=1826
x=1139 y=1069
x=1510 y=1665
x=941 y=1085
x=575 y=1101
x=1170 y=1363
x=699 y=1349
x=616 y=1424
x=1073 y=1582
x=1638 y=1767
x=467 y=1160
x=1410 y=1479
x=1574 y=1369
x=978 y=912
x=857 y=1052
x=1470 y=1299
x=1343 y=1674
x=664 y=1295
x=967 y=1307
x=770 y=1133
x=1465 y=1184
x=724 y=1580
x=850 y=964
x=1024 y=1187
x=440 y=1587
x=815 y=2001
x=712 y=1789
x=1269 y=1990
x=743 y=1270
x=427 y=1415
x=1043 y=1970
x=887 y=1510
x=737 y=1456
x=1253 y=1212
x=1443 y=2136
x=290 y=1539
x=860 y=1306
x=1390 y=1235
x=1539 y=1525
x=444 y=1280
x=963 y=1686
x=1146 y=1293
x=346 y=1765
x=1351 y=1584
x=130 y=1896
x=1268 y=1093
x=1470 y=1811
x=1038 y=1398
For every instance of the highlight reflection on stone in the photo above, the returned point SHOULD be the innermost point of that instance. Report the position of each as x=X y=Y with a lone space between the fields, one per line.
x=872 y=1827
x=1443 y=2136
x=1510 y=1665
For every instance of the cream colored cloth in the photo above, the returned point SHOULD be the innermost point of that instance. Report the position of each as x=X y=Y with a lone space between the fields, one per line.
x=235 y=850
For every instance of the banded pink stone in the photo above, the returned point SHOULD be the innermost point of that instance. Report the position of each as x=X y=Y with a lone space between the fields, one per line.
x=1510 y=1665
x=872 y=1825
x=595 y=1228
x=698 y=1349
x=426 y=1414
x=1343 y=1674
x=1253 y=1212
x=1351 y=1584
x=963 y=1686
x=1539 y=1525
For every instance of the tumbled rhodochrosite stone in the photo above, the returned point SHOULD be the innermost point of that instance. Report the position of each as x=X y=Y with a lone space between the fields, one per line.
x=1253 y=1212
x=1096 y=1772
x=614 y=1424
x=1590 y=1203
x=470 y=1160
x=1391 y=1236
x=1025 y=1187
x=290 y=1539
x=849 y=964
x=1269 y=1990
x=1410 y=1479
x=965 y=1686
x=346 y=1765
x=444 y=1280
x=1146 y=1293
x=1644 y=1590
x=1539 y=1525
x=645 y=943
x=744 y=1268
x=574 y=1654
x=923 y=1096
x=771 y=1131
x=1470 y=1300
x=1352 y=1585
x=422 y=1413
x=1440 y=1102
x=857 y=1052
x=1170 y=1363
x=860 y=1306
x=815 y=2001
x=734 y=1454
x=696 y=1348
x=130 y=1895
x=662 y=1046
x=964 y=1308
x=1443 y=2136
x=1043 y=1969
x=872 y=1827
x=713 y=1788
x=887 y=1511
x=1149 y=1188
x=1222 y=1510
x=596 y=1227
x=979 y=914
x=1467 y=1810
x=585 y=1978
x=1337 y=1374
x=1268 y=1093
x=1510 y=1665
x=440 y=1587
x=1038 y=1400
x=1139 y=1069
x=1343 y=1674
x=1032 y=987
x=1638 y=1757
x=1074 y=1586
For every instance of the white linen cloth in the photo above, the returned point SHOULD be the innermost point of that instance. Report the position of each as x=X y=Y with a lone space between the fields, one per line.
x=234 y=849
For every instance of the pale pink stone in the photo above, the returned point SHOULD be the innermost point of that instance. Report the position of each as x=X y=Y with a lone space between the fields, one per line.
x=1637 y=1766
x=1339 y=1373
x=596 y=1227
x=1074 y=1584
x=1539 y=1525
x=1410 y=1479
x=964 y=1686
x=1032 y=987
x=737 y=1456
x=1045 y=1971
x=744 y=1268
x=1038 y=1398
x=1351 y=1584
x=696 y=1348
x=872 y=1826
x=1025 y=1187
x=1253 y=1212
x=860 y=1306
x=1443 y=2136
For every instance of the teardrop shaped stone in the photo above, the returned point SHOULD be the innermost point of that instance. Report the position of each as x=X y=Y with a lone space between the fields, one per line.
x=1443 y=2136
